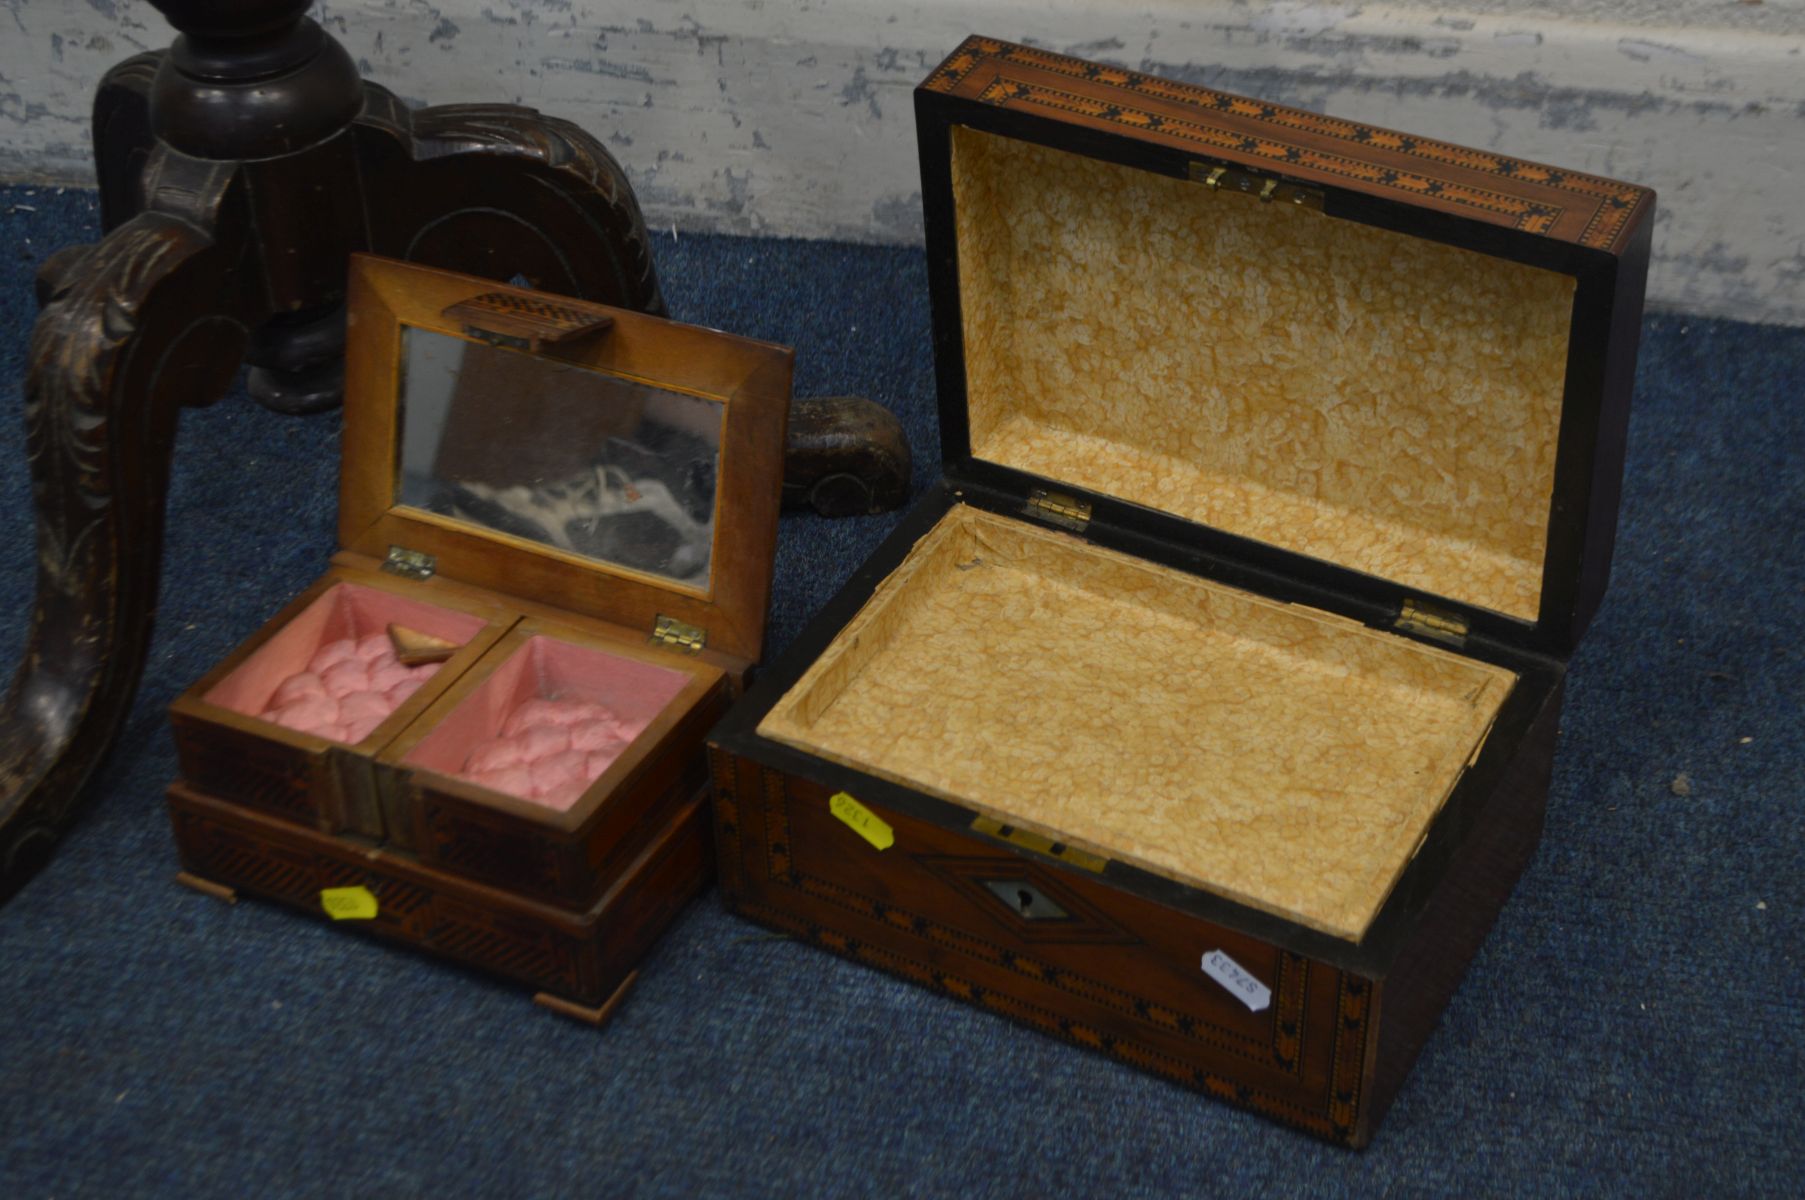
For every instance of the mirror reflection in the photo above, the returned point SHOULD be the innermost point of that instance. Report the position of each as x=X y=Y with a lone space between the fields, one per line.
x=591 y=463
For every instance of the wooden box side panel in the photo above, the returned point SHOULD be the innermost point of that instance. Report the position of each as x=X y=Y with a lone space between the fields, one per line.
x=676 y=868
x=1118 y=974
x=1459 y=914
x=581 y=957
x=229 y=846
x=1605 y=468
x=262 y=773
x=547 y=859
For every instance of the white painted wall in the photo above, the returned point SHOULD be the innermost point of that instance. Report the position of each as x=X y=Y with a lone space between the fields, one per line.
x=793 y=117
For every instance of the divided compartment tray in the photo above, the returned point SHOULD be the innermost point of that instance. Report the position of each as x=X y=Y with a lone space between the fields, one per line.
x=564 y=848
x=229 y=744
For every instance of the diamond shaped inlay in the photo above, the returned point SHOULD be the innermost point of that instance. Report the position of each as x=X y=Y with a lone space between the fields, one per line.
x=1028 y=900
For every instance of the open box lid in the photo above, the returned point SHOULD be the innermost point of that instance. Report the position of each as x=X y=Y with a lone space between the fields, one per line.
x=598 y=460
x=1395 y=368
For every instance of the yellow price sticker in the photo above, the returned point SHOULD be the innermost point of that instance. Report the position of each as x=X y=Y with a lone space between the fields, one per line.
x=348 y=903
x=862 y=821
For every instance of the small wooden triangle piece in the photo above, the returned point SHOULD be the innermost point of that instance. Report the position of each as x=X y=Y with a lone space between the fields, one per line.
x=412 y=648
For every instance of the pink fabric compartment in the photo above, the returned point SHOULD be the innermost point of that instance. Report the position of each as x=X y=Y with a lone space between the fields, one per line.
x=271 y=682
x=548 y=721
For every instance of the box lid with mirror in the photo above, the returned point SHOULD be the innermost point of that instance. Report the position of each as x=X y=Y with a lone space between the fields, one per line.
x=603 y=462
x=1281 y=459
x=557 y=524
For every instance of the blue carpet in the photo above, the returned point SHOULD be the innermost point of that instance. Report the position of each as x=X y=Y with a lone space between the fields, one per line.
x=1633 y=1026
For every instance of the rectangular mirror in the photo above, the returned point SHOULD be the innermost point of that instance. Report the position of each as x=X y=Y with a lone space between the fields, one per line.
x=594 y=464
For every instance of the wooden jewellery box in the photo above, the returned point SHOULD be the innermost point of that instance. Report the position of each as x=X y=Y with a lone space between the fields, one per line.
x=558 y=523
x=1203 y=714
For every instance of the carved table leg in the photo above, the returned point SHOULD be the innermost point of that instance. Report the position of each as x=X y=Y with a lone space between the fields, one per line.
x=502 y=191
x=488 y=189
x=122 y=137
x=134 y=329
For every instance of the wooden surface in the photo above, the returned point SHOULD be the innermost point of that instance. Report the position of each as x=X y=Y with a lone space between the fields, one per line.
x=1121 y=974
x=845 y=457
x=1480 y=185
x=580 y=956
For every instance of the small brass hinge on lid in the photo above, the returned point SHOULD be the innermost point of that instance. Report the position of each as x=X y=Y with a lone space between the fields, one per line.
x=1068 y=512
x=669 y=631
x=1431 y=622
x=409 y=564
x=1271 y=191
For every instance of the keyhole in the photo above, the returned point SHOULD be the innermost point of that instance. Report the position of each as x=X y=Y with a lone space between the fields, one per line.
x=1028 y=901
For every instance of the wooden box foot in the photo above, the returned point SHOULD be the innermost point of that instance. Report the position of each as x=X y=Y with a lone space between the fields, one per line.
x=207 y=887
x=597 y=1016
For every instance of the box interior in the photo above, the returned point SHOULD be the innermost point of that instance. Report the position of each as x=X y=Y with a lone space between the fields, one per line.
x=1375 y=400
x=1286 y=758
x=545 y=724
x=344 y=613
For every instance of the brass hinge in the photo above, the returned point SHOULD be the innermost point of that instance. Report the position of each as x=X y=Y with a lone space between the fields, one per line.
x=409 y=564
x=1082 y=859
x=669 y=631
x=1429 y=621
x=1065 y=511
x=1229 y=179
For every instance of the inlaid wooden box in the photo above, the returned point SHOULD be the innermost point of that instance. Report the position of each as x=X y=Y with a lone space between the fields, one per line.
x=1204 y=713
x=557 y=524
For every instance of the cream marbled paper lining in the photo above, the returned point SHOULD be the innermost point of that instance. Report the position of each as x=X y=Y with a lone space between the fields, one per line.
x=1365 y=397
x=1286 y=758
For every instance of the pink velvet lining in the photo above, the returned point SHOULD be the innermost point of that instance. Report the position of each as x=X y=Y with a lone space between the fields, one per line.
x=348 y=688
x=331 y=672
x=548 y=722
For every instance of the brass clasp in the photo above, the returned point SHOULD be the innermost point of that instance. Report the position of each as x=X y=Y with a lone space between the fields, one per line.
x=1267 y=190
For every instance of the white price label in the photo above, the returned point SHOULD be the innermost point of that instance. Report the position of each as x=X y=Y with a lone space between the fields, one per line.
x=1233 y=976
